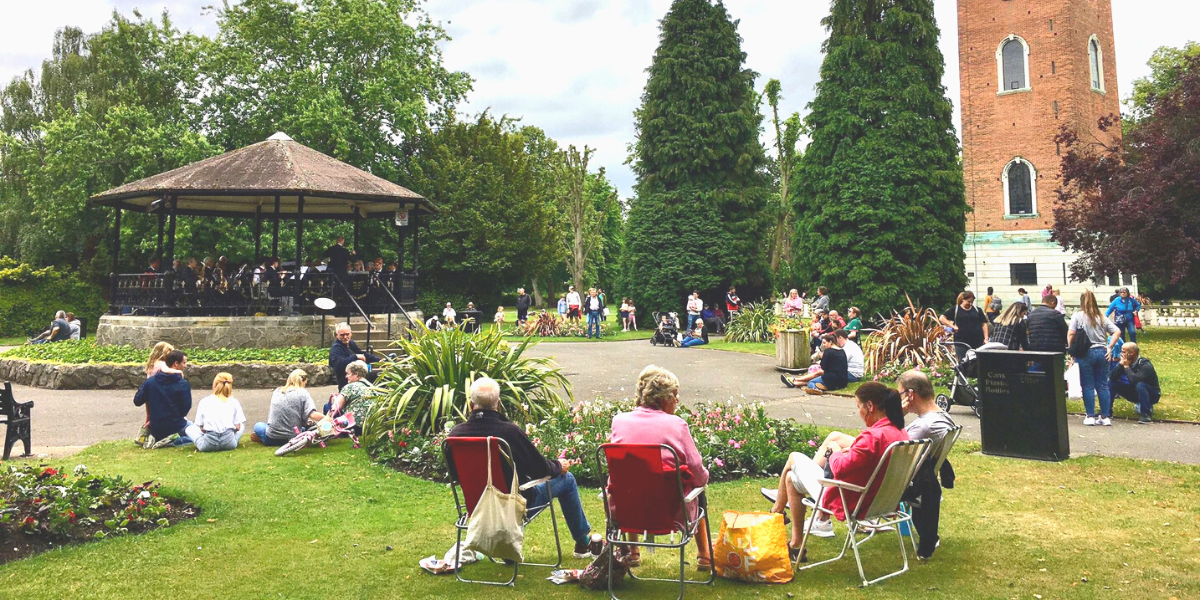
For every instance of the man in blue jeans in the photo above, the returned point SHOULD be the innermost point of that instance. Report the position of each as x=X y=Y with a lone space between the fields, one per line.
x=1135 y=379
x=485 y=420
x=593 y=305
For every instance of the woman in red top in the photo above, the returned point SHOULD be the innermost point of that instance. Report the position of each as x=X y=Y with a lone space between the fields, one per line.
x=841 y=457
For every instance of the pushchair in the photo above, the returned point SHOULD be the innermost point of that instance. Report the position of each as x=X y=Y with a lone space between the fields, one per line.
x=962 y=391
x=667 y=333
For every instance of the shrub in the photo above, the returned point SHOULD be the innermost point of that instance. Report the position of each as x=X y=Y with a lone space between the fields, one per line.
x=31 y=296
x=430 y=385
x=87 y=351
x=940 y=374
x=909 y=339
x=548 y=325
x=734 y=440
x=754 y=323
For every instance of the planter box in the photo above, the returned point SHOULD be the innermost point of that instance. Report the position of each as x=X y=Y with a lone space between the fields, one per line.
x=791 y=350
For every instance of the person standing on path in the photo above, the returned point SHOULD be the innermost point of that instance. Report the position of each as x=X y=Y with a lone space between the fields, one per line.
x=733 y=304
x=992 y=305
x=694 y=308
x=1093 y=366
x=573 y=304
x=603 y=302
x=1025 y=298
x=594 y=306
x=562 y=307
x=524 y=301
x=967 y=322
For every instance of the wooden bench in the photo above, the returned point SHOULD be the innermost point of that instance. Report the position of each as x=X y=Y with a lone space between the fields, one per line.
x=16 y=416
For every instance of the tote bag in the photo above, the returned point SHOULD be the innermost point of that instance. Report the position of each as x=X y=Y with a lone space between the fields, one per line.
x=752 y=547
x=495 y=527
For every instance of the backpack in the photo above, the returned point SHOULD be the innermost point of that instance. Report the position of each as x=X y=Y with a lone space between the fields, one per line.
x=996 y=304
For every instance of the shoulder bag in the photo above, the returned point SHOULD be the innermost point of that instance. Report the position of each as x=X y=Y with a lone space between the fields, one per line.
x=495 y=527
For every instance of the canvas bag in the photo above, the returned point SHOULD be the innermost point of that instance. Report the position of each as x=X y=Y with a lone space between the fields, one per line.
x=495 y=527
x=752 y=547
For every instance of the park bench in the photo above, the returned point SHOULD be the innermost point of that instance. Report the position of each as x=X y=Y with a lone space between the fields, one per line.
x=15 y=415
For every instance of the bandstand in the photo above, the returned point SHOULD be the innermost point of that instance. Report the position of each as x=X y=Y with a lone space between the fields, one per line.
x=275 y=181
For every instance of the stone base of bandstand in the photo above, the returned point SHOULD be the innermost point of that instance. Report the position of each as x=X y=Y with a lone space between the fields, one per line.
x=58 y=376
x=194 y=333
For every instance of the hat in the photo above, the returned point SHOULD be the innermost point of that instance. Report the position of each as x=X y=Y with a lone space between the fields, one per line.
x=447 y=304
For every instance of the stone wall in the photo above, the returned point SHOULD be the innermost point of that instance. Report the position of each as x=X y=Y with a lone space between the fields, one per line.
x=58 y=376
x=228 y=332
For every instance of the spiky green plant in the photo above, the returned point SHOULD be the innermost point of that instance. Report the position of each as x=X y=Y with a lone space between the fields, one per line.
x=753 y=324
x=431 y=384
x=912 y=338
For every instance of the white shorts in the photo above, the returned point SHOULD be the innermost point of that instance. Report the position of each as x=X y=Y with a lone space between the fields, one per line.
x=805 y=474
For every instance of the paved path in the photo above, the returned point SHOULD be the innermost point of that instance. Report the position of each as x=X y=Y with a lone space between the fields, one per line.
x=610 y=370
x=65 y=421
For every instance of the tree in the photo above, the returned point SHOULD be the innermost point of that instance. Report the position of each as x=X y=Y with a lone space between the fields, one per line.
x=584 y=220
x=607 y=259
x=787 y=135
x=1133 y=205
x=1167 y=66
x=696 y=220
x=879 y=196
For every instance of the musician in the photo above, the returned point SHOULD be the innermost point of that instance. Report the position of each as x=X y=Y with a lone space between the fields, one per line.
x=155 y=266
x=339 y=257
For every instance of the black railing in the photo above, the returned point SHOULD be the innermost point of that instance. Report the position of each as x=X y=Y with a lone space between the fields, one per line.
x=243 y=294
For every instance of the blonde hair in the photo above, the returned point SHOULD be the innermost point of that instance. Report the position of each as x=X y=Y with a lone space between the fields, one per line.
x=1013 y=314
x=159 y=352
x=223 y=386
x=296 y=380
x=1087 y=304
x=656 y=385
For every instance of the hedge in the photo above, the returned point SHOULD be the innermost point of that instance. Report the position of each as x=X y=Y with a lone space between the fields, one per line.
x=77 y=352
x=29 y=297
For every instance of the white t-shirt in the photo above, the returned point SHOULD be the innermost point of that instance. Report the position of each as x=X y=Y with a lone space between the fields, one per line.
x=854 y=359
x=449 y=314
x=573 y=299
x=1098 y=333
x=214 y=415
x=932 y=425
x=593 y=303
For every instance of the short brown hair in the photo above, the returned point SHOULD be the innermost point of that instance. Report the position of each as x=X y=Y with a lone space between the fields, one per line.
x=1051 y=301
x=173 y=358
x=917 y=382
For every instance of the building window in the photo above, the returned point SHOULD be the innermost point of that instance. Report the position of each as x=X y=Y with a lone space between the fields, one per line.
x=1114 y=280
x=1023 y=273
x=1096 y=60
x=1012 y=63
x=1020 y=188
x=1126 y=279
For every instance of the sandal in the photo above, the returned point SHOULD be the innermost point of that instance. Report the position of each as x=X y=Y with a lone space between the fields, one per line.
x=634 y=559
x=703 y=565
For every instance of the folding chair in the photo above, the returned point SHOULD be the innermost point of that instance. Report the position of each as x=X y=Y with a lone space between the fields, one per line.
x=467 y=460
x=937 y=454
x=889 y=480
x=645 y=497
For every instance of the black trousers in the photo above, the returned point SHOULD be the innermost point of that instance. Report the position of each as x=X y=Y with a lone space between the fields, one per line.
x=925 y=497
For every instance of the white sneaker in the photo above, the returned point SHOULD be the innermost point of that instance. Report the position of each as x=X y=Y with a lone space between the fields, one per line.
x=1089 y=421
x=1105 y=421
x=821 y=528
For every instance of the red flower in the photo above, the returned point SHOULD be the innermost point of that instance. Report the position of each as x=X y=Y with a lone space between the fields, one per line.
x=142 y=502
x=403 y=444
x=29 y=521
x=48 y=472
x=71 y=515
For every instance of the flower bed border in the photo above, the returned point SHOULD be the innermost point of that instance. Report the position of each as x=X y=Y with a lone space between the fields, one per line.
x=106 y=376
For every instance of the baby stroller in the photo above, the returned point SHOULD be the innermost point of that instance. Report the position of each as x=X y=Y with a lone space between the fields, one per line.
x=962 y=391
x=667 y=333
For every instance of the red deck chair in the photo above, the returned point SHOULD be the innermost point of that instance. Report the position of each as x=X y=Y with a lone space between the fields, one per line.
x=646 y=497
x=467 y=464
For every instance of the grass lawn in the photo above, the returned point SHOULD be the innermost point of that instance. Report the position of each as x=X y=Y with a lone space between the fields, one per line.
x=13 y=341
x=318 y=525
x=719 y=343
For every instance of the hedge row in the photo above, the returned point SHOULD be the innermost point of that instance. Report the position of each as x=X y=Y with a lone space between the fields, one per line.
x=80 y=352
x=29 y=297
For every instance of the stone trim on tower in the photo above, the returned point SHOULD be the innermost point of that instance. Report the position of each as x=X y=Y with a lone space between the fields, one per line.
x=1033 y=177
x=1004 y=82
x=1095 y=52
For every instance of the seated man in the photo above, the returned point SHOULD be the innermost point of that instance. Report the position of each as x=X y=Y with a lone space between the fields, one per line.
x=448 y=314
x=344 y=351
x=167 y=397
x=855 y=361
x=917 y=397
x=485 y=420
x=834 y=373
x=1142 y=387
x=59 y=330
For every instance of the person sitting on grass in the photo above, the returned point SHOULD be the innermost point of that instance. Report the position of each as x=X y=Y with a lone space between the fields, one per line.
x=219 y=417
x=917 y=398
x=1134 y=379
x=698 y=336
x=485 y=420
x=59 y=330
x=167 y=397
x=855 y=360
x=355 y=396
x=292 y=408
x=834 y=373
x=345 y=351
x=154 y=365
x=842 y=457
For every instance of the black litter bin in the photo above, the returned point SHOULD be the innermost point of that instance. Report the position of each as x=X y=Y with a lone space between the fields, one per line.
x=470 y=320
x=1024 y=404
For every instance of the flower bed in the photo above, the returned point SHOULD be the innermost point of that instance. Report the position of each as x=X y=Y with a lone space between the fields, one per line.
x=734 y=440
x=88 y=352
x=550 y=325
x=941 y=375
x=42 y=508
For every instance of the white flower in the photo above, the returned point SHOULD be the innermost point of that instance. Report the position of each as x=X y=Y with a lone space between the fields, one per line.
x=80 y=470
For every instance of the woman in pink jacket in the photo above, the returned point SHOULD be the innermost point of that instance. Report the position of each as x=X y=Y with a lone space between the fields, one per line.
x=653 y=421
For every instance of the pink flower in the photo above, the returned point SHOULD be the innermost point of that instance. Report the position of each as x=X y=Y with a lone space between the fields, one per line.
x=737 y=445
x=812 y=444
x=718 y=462
x=730 y=442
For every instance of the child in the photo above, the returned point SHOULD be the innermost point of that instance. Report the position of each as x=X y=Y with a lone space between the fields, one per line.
x=498 y=319
x=219 y=418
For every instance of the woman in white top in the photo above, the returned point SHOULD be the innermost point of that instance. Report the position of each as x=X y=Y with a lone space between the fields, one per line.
x=1093 y=367
x=219 y=417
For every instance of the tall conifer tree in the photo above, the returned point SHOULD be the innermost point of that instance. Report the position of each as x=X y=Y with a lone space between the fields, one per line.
x=881 y=210
x=696 y=221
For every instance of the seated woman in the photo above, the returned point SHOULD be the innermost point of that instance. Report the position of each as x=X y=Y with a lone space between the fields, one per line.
x=1010 y=329
x=356 y=396
x=841 y=457
x=219 y=417
x=653 y=421
x=291 y=407
x=833 y=373
x=698 y=336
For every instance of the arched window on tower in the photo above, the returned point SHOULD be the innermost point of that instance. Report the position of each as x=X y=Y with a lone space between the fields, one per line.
x=1012 y=63
x=1096 y=62
x=1020 y=188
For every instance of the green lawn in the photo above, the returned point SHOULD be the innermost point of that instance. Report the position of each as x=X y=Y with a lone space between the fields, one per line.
x=318 y=525
x=719 y=343
x=13 y=341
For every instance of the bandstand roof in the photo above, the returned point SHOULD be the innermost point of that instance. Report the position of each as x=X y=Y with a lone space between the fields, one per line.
x=237 y=183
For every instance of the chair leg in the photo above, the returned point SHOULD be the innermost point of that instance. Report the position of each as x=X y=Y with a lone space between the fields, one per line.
x=903 y=557
x=804 y=545
x=557 y=543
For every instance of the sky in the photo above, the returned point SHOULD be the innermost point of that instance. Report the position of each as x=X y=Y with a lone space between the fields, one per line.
x=576 y=68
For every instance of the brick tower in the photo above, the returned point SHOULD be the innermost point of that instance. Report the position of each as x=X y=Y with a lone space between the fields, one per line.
x=1027 y=68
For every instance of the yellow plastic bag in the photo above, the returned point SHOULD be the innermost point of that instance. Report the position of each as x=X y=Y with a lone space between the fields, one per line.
x=752 y=547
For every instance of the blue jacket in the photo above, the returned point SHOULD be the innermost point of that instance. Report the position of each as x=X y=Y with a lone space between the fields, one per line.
x=168 y=398
x=1124 y=306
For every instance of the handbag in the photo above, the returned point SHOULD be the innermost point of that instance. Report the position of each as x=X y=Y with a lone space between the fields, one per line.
x=752 y=547
x=1081 y=345
x=495 y=527
x=1137 y=321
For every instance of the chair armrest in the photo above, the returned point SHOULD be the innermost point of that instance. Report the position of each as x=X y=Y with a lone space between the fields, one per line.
x=692 y=495
x=534 y=483
x=841 y=484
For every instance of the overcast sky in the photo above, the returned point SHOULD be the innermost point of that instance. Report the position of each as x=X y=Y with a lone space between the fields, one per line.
x=576 y=68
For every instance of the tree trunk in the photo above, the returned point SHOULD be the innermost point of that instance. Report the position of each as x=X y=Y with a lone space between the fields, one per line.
x=537 y=295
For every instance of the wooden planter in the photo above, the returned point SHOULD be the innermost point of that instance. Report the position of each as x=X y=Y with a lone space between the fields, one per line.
x=791 y=350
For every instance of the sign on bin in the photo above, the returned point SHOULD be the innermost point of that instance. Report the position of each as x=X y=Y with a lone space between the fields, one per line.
x=1023 y=411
